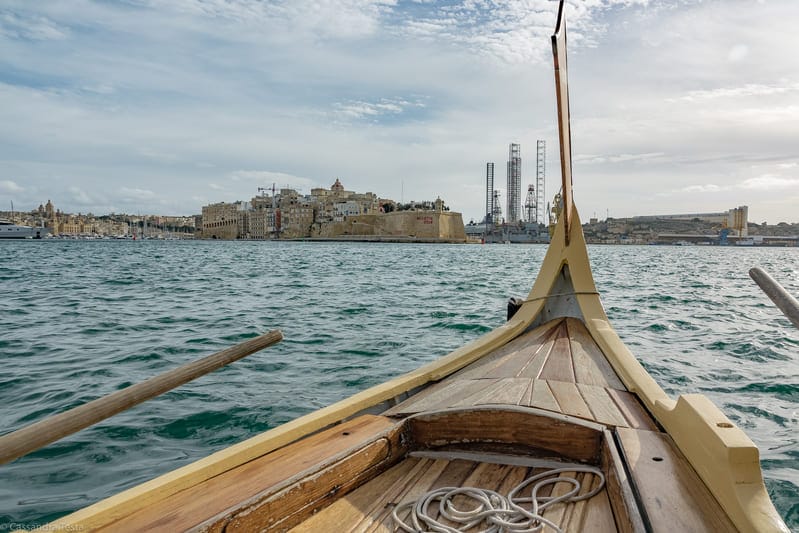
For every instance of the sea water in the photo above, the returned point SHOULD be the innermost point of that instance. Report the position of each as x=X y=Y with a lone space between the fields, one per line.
x=82 y=319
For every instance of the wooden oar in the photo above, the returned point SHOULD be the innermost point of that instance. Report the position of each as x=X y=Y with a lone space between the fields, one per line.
x=787 y=303
x=39 y=434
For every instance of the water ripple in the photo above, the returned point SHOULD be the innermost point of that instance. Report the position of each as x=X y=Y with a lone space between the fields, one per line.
x=93 y=317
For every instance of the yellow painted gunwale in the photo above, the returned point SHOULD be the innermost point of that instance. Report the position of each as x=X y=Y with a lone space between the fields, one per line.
x=723 y=456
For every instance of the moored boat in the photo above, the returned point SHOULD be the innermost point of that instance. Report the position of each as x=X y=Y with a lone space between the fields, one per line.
x=10 y=230
x=549 y=420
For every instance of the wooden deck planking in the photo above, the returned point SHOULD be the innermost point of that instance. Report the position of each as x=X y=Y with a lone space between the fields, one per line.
x=541 y=396
x=634 y=412
x=597 y=514
x=534 y=366
x=674 y=496
x=507 y=391
x=441 y=398
x=480 y=367
x=513 y=365
x=602 y=406
x=405 y=493
x=569 y=399
x=559 y=366
x=356 y=507
x=590 y=365
x=368 y=508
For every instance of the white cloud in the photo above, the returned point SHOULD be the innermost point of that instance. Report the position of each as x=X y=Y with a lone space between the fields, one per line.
x=37 y=28
x=769 y=182
x=748 y=90
x=10 y=186
x=710 y=187
x=617 y=158
x=137 y=194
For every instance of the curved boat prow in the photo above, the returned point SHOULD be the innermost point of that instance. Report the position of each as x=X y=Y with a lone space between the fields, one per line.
x=725 y=458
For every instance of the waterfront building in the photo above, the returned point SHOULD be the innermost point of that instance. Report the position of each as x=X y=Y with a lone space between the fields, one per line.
x=224 y=220
x=326 y=213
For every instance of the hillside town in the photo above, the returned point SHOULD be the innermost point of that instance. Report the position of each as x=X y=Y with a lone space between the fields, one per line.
x=333 y=213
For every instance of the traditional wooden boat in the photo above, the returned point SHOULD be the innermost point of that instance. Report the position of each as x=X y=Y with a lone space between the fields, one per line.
x=546 y=422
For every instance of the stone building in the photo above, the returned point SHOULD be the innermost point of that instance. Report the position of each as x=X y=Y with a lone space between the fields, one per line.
x=224 y=220
x=325 y=213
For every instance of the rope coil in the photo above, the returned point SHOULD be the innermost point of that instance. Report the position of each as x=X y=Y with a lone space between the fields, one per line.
x=513 y=513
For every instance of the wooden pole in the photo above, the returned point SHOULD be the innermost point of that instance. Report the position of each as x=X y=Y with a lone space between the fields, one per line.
x=39 y=434
x=782 y=298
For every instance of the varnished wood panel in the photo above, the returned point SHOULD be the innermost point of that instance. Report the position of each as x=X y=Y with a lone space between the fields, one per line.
x=203 y=501
x=672 y=493
x=573 y=439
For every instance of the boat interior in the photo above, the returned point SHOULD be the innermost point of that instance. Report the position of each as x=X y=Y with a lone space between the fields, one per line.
x=547 y=400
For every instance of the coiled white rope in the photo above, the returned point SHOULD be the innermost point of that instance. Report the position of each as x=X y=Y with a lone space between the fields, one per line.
x=496 y=513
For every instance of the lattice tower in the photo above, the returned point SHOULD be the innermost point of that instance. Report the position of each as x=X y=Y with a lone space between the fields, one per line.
x=489 y=214
x=514 y=183
x=540 y=179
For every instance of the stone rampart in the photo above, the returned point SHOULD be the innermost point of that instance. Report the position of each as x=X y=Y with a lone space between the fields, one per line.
x=422 y=225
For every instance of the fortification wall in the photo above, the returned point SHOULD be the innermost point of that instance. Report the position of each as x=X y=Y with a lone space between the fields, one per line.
x=433 y=225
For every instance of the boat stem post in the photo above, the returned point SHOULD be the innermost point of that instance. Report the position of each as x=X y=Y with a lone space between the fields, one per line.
x=782 y=298
x=39 y=434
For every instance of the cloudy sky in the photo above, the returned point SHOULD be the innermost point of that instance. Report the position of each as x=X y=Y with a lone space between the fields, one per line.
x=162 y=106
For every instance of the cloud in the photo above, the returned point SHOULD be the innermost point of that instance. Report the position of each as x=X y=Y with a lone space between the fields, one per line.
x=360 y=110
x=137 y=194
x=710 y=187
x=769 y=182
x=617 y=158
x=32 y=27
x=10 y=186
x=748 y=90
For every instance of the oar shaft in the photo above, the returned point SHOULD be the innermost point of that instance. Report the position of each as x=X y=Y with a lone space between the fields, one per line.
x=42 y=433
x=782 y=298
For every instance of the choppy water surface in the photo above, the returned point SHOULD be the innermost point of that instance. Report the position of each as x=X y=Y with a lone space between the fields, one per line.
x=79 y=320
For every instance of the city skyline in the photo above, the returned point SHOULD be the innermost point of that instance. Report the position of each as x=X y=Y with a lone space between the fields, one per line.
x=162 y=107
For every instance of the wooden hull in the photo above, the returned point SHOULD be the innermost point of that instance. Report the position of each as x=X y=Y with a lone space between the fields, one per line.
x=555 y=383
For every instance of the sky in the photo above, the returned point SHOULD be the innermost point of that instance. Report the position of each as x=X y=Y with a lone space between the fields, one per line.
x=163 y=106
